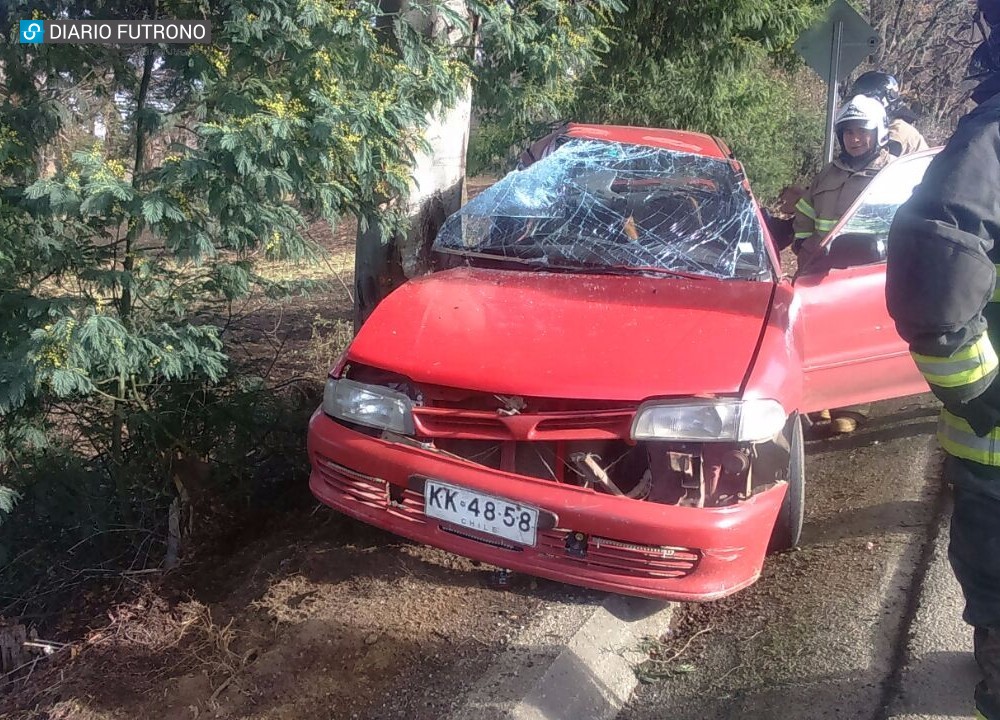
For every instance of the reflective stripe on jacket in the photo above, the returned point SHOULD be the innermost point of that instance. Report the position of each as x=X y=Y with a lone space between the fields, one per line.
x=965 y=374
x=957 y=438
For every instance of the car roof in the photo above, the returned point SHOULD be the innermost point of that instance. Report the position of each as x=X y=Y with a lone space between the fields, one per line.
x=679 y=140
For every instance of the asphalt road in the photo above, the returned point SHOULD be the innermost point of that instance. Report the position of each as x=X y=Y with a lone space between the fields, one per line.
x=823 y=634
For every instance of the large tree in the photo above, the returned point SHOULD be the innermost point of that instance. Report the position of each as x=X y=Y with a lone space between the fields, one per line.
x=524 y=59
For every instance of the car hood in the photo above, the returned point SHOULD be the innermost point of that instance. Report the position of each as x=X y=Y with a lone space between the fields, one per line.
x=544 y=334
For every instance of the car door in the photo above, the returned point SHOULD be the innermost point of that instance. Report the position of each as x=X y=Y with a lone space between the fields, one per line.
x=851 y=351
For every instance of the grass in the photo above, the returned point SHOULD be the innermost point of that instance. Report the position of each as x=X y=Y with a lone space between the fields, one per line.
x=337 y=264
x=330 y=337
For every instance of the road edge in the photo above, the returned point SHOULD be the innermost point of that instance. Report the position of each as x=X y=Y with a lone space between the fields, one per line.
x=575 y=661
x=928 y=682
x=937 y=673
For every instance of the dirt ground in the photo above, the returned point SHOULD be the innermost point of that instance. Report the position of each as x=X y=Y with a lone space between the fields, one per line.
x=317 y=615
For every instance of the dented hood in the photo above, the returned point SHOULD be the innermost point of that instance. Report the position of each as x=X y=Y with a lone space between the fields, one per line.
x=543 y=334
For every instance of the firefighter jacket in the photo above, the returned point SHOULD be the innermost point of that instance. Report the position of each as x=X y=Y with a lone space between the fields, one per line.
x=904 y=138
x=940 y=279
x=829 y=196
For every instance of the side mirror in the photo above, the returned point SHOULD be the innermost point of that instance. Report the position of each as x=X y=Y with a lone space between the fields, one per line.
x=850 y=250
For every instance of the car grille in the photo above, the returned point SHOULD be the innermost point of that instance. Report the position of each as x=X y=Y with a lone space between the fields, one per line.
x=602 y=554
x=371 y=491
x=591 y=425
x=632 y=559
x=361 y=488
x=482 y=538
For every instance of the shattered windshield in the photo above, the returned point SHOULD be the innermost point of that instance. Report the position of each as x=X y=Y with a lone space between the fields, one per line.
x=593 y=204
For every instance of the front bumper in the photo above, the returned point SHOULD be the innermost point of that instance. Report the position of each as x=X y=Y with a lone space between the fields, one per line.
x=635 y=548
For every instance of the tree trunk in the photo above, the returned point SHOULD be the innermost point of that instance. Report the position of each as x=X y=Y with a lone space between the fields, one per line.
x=437 y=189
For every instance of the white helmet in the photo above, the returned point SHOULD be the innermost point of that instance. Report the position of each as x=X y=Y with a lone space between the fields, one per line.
x=869 y=112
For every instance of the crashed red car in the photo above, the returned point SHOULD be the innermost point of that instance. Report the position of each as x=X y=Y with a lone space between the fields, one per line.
x=604 y=382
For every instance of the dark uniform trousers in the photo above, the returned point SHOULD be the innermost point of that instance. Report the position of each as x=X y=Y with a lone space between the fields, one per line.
x=974 y=552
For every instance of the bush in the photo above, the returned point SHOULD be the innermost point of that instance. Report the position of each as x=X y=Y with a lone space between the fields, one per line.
x=215 y=454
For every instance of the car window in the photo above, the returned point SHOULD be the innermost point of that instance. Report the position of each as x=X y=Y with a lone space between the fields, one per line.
x=882 y=198
x=599 y=205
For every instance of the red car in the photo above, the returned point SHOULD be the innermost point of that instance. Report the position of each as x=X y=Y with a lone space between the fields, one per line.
x=604 y=383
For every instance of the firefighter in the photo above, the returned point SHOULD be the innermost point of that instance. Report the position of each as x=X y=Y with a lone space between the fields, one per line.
x=940 y=290
x=863 y=133
x=903 y=137
x=903 y=140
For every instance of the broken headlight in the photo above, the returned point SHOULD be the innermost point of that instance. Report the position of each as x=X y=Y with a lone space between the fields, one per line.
x=725 y=419
x=370 y=405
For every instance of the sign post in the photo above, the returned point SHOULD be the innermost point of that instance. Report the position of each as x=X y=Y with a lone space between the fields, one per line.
x=833 y=85
x=833 y=48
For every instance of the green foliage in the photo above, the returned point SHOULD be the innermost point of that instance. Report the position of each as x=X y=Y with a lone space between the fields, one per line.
x=712 y=67
x=715 y=67
x=139 y=186
x=532 y=56
x=7 y=499
x=74 y=520
x=121 y=250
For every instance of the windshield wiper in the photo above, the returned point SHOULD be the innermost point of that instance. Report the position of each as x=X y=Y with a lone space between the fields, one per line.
x=540 y=261
x=665 y=271
x=495 y=257
x=625 y=269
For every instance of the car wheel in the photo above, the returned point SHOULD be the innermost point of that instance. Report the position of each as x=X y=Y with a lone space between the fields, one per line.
x=788 y=527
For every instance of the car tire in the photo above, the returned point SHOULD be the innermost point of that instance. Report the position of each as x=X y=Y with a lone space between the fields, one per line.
x=788 y=527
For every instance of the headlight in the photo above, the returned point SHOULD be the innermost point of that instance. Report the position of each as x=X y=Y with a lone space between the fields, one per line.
x=709 y=420
x=369 y=405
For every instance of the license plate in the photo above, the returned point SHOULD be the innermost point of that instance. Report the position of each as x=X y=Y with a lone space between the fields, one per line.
x=479 y=511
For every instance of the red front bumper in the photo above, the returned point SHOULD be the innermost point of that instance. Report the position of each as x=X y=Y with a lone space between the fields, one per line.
x=635 y=548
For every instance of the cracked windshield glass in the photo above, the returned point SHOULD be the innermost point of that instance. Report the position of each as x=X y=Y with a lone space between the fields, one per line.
x=596 y=205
